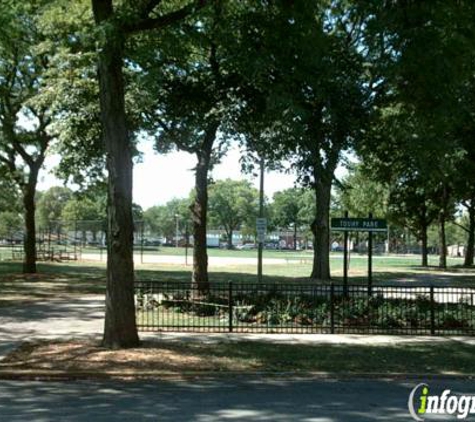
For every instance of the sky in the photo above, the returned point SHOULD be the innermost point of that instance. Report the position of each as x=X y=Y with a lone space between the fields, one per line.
x=160 y=178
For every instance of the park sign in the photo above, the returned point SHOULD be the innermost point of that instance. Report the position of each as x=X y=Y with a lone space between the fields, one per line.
x=359 y=224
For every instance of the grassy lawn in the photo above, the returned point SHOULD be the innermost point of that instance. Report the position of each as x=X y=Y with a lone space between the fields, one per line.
x=178 y=357
x=52 y=281
x=81 y=278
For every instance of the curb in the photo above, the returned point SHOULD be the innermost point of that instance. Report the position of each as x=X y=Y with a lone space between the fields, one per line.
x=47 y=375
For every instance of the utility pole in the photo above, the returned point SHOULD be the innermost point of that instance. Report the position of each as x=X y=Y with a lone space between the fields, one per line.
x=176 y=230
x=186 y=243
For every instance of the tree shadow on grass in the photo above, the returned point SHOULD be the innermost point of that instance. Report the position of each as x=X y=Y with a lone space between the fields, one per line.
x=51 y=281
x=417 y=277
x=215 y=277
x=250 y=356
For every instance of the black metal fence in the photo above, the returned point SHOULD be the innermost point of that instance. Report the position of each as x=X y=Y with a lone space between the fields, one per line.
x=298 y=308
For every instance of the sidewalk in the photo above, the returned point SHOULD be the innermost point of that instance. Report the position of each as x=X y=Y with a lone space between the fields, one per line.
x=54 y=319
x=83 y=318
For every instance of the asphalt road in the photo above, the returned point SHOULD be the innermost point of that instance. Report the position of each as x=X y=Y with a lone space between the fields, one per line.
x=214 y=400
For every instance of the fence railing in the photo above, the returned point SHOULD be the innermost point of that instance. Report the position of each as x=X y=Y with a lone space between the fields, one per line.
x=299 y=308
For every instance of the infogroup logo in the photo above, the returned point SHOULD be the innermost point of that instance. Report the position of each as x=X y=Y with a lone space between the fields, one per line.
x=420 y=403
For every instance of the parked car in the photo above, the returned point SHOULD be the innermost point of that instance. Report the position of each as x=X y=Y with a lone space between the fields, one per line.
x=246 y=247
x=151 y=242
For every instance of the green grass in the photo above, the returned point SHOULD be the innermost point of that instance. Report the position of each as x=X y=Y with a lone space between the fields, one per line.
x=416 y=357
x=89 y=277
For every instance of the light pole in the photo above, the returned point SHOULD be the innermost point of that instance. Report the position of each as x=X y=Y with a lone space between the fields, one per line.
x=186 y=243
x=261 y=216
x=176 y=230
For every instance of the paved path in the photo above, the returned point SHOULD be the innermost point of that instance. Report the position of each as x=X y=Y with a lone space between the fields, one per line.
x=60 y=318
x=214 y=400
x=214 y=261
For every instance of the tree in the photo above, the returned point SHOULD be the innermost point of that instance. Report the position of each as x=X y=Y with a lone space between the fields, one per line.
x=113 y=26
x=10 y=195
x=84 y=214
x=232 y=203
x=361 y=193
x=25 y=124
x=194 y=89
x=290 y=209
x=50 y=207
x=162 y=219
x=464 y=132
x=311 y=81
x=416 y=84
x=10 y=223
x=327 y=110
x=411 y=206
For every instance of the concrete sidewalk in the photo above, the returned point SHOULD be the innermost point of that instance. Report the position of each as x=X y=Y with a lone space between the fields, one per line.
x=350 y=339
x=83 y=318
x=55 y=319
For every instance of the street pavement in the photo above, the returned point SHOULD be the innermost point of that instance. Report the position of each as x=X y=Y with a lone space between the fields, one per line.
x=214 y=400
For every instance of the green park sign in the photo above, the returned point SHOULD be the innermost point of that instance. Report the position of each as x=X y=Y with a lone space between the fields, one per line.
x=359 y=224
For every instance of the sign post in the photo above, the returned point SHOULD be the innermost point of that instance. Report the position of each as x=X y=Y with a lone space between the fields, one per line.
x=369 y=225
x=370 y=259
x=187 y=237
x=345 y=260
x=261 y=227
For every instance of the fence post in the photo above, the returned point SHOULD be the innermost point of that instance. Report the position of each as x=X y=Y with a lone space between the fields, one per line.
x=432 y=311
x=332 y=308
x=230 y=306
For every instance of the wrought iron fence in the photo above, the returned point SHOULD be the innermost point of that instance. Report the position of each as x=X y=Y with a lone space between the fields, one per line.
x=299 y=308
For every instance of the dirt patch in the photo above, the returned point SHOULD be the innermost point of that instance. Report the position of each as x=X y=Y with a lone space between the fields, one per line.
x=176 y=358
x=89 y=356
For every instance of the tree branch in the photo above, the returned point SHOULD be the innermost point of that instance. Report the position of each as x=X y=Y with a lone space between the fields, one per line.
x=184 y=147
x=163 y=125
x=147 y=23
x=175 y=140
x=10 y=163
x=18 y=147
x=148 y=6
x=461 y=226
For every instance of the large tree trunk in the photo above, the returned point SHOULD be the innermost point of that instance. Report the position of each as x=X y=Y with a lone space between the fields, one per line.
x=29 y=190
x=425 y=253
x=230 y=239
x=120 y=328
x=321 y=229
x=471 y=235
x=199 y=212
x=442 y=241
x=200 y=279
